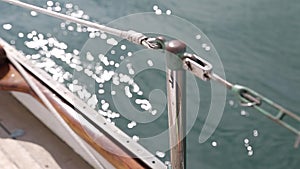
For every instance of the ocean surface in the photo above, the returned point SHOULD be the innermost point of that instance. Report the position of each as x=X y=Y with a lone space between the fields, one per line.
x=257 y=44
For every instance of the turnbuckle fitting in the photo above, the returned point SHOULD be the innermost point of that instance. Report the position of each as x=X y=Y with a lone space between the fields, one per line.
x=198 y=66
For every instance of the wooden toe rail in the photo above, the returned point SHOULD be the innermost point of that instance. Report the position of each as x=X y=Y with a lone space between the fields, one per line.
x=11 y=80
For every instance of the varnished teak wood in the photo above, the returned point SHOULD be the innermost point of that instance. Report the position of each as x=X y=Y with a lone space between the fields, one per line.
x=11 y=80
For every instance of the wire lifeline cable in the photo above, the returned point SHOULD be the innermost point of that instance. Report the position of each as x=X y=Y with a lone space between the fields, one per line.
x=130 y=35
x=50 y=107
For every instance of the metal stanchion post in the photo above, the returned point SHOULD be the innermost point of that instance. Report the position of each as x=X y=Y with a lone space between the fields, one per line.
x=176 y=80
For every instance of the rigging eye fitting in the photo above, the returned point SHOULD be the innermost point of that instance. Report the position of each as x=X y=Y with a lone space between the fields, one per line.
x=248 y=97
x=153 y=43
x=198 y=66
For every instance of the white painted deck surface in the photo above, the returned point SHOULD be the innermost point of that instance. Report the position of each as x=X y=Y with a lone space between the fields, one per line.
x=38 y=148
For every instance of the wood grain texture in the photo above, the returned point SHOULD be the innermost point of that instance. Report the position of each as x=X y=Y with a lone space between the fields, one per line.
x=14 y=116
x=11 y=80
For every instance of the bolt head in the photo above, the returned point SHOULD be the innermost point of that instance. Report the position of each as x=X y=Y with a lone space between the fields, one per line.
x=176 y=47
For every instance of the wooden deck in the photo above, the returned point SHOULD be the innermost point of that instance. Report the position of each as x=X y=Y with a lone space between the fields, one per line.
x=38 y=147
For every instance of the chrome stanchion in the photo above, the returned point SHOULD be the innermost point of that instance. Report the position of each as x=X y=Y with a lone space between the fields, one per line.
x=176 y=86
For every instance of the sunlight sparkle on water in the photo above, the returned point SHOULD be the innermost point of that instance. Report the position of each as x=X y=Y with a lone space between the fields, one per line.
x=158 y=12
x=250 y=153
x=89 y=56
x=50 y=3
x=168 y=12
x=103 y=36
x=131 y=124
x=57 y=8
x=29 y=36
x=13 y=42
x=231 y=102
x=207 y=48
x=129 y=54
x=145 y=104
x=149 y=62
x=244 y=113
x=49 y=50
x=92 y=102
x=160 y=154
x=198 y=36
x=255 y=133
x=74 y=87
x=20 y=35
x=248 y=147
x=127 y=92
x=130 y=68
x=112 y=41
x=70 y=28
x=33 y=13
x=154 y=112
x=135 y=138
x=112 y=62
x=76 y=52
x=105 y=106
x=214 y=144
x=7 y=26
x=69 y=5
x=92 y=35
x=123 y=47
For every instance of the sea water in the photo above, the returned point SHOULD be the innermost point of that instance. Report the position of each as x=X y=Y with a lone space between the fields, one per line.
x=257 y=42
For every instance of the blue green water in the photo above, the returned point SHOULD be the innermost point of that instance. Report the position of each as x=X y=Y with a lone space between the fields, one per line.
x=259 y=45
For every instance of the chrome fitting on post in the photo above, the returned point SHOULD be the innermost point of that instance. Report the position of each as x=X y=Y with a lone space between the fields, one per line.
x=198 y=66
x=153 y=43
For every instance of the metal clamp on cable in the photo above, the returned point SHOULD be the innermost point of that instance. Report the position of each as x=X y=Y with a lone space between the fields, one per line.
x=253 y=99
x=248 y=97
x=133 y=36
x=154 y=43
x=198 y=66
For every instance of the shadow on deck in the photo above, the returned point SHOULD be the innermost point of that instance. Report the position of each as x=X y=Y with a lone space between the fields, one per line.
x=38 y=147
